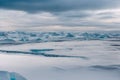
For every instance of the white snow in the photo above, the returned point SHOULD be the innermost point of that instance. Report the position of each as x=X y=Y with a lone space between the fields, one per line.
x=103 y=61
x=100 y=59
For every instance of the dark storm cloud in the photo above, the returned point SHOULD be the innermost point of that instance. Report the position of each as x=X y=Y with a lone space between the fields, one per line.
x=57 y=5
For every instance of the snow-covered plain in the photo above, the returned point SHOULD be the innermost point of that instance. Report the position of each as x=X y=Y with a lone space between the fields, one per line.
x=61 y=55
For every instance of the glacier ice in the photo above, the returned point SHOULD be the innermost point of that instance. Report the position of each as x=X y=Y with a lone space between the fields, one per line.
x=35 y=37
x=72 y=55
x=4 y=75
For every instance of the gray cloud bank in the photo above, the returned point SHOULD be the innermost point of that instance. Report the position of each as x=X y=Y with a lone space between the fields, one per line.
x=57 y=14
x=58 y=5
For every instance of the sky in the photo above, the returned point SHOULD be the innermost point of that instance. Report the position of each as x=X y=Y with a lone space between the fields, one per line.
x=80 y=15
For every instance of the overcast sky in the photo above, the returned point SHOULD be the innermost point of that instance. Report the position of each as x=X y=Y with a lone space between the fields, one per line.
x=59 y=15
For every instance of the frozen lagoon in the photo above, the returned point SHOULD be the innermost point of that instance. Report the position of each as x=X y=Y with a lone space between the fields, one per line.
x=98 y=59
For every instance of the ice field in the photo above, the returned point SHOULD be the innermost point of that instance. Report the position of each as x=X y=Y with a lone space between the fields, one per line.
x=61 y=55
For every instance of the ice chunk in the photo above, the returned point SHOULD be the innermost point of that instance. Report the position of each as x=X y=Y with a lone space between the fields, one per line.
x=4 y=75
x=7 y=41
x=36 y=37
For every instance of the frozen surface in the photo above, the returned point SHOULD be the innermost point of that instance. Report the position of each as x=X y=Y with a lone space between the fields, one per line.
x=61 y=55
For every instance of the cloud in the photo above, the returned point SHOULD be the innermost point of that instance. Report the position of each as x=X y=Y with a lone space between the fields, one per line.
x=67 y=14
x=69 y=20
x=57 y=5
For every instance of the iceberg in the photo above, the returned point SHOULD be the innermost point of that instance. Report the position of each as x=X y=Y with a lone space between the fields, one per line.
x=4 y=75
